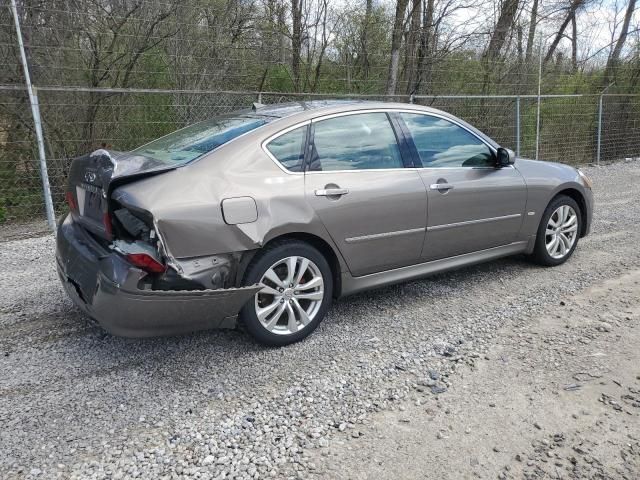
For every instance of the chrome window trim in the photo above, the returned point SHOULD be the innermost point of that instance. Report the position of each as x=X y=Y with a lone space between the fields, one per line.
x=445 y=226
x=365 y=111
x=361 y=112
x=406 y=110
x=326 y=172
x=284 y=131
x=429 y=114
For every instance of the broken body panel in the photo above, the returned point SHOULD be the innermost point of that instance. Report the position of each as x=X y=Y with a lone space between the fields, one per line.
x=115 y=293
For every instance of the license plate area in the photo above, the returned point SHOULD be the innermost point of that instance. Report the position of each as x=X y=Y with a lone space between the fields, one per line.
x=90 y=202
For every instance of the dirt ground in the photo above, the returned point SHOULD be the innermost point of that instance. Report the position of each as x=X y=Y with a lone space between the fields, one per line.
x=556 y=398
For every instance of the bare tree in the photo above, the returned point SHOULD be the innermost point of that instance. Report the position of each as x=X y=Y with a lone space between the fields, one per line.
x=413 y=44
x=296 y=40
x=504 y=25
x=396 y=43
x=363 y=58
x=533 y=22
x=574 y=44
x=317 y=41
x=574 y=5
x=614 y=58
x=113 y=53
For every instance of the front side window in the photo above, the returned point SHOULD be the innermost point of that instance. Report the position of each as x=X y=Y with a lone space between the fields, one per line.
x=443 y=144
x=363 y=141
x=189 y=143
x=288 y=149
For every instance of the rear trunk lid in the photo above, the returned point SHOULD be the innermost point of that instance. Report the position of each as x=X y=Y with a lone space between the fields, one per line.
x=93 y=177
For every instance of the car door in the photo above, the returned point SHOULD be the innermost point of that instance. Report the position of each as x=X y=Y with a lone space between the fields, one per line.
x=472 y=204
x=372 y=206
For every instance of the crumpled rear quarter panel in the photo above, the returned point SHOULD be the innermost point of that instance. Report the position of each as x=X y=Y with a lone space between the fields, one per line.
x=186 y=203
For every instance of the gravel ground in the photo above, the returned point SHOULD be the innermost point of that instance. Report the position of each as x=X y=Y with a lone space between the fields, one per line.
x=20 y=231
x=556 y=397
x=77 y=403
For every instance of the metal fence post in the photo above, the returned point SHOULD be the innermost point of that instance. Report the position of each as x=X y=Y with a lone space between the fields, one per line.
x=599 y=130
x=538 y=110
x=35 y=111
x=518 y=126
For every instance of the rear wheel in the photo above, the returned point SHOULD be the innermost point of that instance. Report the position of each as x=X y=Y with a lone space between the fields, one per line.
x=297 y=288
x=558 y=232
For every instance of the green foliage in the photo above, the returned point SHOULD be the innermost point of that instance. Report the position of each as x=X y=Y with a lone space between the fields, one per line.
x=279 y=79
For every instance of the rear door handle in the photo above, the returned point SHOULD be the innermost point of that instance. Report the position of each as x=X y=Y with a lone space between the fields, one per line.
x=331 y=192
x=441 y=186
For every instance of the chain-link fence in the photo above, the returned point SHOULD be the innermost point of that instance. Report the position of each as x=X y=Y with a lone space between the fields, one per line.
x=574 y=129
x=201 y=48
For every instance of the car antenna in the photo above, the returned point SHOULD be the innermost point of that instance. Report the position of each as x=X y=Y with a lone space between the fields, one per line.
x=257 y=106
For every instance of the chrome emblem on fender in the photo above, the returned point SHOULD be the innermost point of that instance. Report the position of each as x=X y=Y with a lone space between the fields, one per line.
x=90 y=177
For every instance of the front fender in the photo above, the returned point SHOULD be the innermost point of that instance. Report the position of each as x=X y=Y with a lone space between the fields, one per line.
x=546 y=180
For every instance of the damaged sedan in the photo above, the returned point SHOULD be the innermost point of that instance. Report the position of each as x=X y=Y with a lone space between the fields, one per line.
x=260 y=218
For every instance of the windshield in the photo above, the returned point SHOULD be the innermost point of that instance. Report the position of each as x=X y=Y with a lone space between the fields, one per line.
x=191 y=142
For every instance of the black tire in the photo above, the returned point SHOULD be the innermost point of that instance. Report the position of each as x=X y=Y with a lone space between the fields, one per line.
x=248 y=319
x=540 y=254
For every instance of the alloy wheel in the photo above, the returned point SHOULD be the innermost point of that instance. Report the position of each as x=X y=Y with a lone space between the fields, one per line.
x=561 y=232
x=291 y=296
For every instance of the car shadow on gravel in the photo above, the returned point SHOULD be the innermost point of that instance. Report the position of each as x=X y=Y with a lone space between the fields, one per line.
x=441 y=283
x=343 y=310
x=184 y=360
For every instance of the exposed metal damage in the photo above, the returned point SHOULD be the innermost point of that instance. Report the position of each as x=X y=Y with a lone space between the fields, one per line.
x=116 y=265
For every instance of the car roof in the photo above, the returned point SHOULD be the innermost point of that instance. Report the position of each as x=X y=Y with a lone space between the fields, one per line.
x=281 y=110
x=292 y=112
x=313 y=107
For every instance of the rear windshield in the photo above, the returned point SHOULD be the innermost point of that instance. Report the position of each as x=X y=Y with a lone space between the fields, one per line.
x=189 y=143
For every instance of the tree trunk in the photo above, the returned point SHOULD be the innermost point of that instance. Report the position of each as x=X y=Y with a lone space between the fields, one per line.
x=575 y=4
x=296 y=41
x=504 y=25
x=612 y=62
x=519 y=44
x=423 y=73
x=363 y=58
x=396 y=42
x=498 y=37
x=282 y=38
x=574 y=44
x=411 y=50
x=533 y=20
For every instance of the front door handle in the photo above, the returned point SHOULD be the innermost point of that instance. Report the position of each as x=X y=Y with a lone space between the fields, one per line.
x=331 y=192
x=441 y=186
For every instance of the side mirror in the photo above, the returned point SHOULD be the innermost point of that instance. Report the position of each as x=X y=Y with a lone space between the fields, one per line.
x=505 y=157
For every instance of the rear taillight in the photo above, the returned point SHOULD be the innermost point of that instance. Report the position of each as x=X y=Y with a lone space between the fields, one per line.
x=146 y=262
x=71 y=201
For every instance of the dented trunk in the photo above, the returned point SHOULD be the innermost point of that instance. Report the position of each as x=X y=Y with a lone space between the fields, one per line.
x=114 y=265
x=93 y=177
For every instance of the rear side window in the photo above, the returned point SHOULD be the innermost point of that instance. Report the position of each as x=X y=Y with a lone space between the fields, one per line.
x=443 y=144
x=184 y=145
x=364 y=141
x=288 y=149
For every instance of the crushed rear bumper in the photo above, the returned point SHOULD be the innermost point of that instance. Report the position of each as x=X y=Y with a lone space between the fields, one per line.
x=106 y=287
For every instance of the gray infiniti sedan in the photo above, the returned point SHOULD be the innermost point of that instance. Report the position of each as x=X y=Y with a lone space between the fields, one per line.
x=260 y=218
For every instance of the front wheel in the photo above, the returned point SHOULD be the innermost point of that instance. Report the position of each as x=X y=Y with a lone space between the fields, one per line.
x=297 y=288
x=558 y=232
